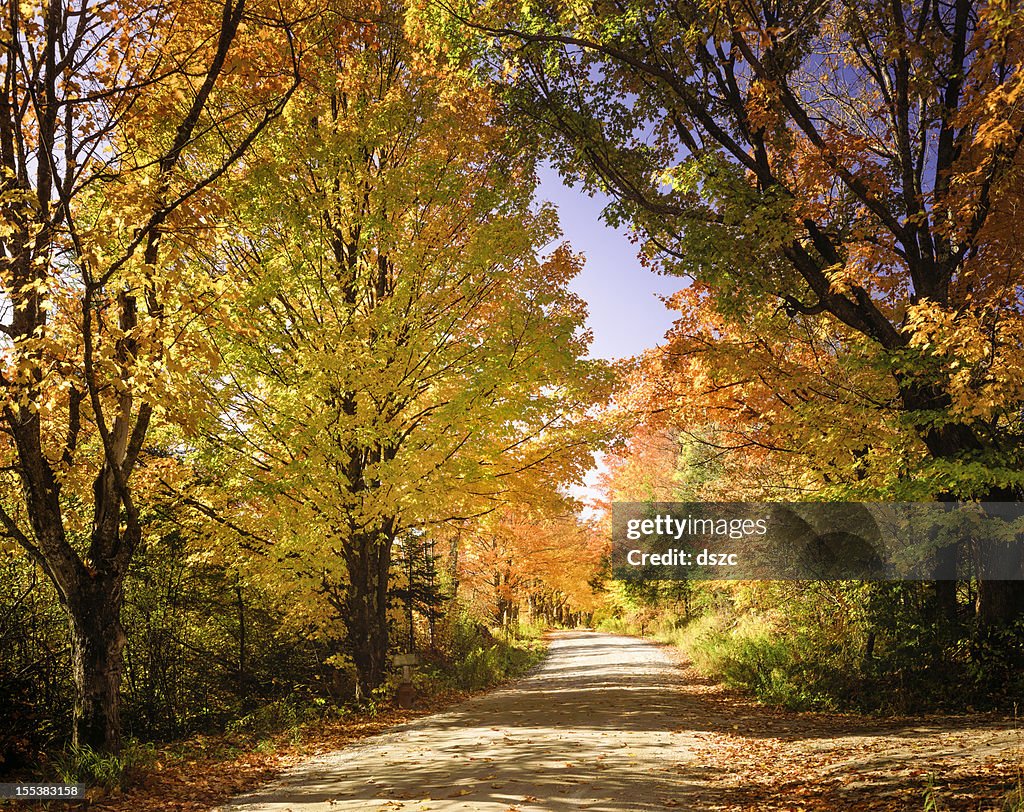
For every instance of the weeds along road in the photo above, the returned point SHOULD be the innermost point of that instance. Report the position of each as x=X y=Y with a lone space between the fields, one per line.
x=612 y=723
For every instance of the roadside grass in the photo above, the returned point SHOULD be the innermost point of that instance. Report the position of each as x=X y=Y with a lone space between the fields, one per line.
x=749 y=653
x=1014 y=800
x=106 y=771
x=744 y=653
x=479 y=663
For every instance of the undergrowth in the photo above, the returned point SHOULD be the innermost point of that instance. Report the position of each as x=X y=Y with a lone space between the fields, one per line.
x=473 y=657
x=749 y=653
x=83 y=765
x=868 y=647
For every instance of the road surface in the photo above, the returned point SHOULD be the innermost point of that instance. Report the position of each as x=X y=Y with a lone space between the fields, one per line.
x=613 y=724
x=590 y=729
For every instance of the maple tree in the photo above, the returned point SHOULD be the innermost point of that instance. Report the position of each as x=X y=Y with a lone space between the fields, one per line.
x=537 y=554
x=783 y=407
x=105 y=112
x=854 y=166
x=402 y=354
x=763 y=409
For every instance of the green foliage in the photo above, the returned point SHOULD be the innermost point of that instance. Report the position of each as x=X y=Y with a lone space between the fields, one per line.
x=472 y=659
x=641 y=607
x=35 y=668
x=617 y=624
x=484 y=666
x=207 y=646
x=529 y=629
x=205 y=651
x=289 y=713
x=750 y=653
x=83 y=765
x=996 y=663
x=870 y=647
x=931 y=796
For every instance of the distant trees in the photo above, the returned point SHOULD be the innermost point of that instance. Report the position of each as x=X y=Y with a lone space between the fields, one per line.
x=535 y=558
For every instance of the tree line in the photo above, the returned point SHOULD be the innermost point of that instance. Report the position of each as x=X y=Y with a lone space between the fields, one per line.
x=839 y=184
x=278 y=301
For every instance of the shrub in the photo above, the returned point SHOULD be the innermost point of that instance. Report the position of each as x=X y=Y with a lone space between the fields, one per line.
x=471 y=658
x=288 y=713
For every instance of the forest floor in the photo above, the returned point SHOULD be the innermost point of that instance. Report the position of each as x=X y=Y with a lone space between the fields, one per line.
x=606 y=724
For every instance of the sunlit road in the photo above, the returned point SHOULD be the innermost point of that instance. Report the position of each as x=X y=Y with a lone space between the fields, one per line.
x=591 y=729
x=611 y=724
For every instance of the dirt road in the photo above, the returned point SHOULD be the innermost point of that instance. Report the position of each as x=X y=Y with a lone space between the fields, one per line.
x=609 y=724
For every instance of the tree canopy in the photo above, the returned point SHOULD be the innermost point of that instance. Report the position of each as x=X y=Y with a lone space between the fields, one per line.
x=294 y=377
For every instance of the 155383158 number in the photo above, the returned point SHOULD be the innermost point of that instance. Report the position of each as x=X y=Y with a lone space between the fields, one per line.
x=42 y=791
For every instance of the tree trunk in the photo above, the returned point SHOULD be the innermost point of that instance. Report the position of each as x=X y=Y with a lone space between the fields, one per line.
x=998 y=602
x=411 y=575
x=944 y=590
x=368 y=558
x=242 y=676
x=97 y=662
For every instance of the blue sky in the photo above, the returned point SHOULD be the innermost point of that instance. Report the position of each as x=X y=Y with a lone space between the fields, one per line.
x=626 y=315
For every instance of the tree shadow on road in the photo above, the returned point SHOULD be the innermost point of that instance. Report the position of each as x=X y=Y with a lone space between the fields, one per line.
x=611 y=724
